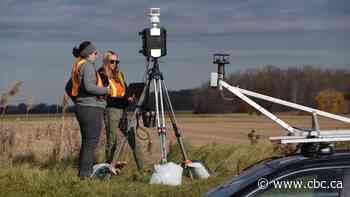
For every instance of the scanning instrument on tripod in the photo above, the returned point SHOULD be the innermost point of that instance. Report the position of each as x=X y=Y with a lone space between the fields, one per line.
x=154 y=47
x=154 y=38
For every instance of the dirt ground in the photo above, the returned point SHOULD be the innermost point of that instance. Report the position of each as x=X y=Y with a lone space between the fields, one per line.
x=234 y=128
x=200 y=130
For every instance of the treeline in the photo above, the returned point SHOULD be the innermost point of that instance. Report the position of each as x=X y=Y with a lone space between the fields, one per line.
x=296 y=84
x=181 y=100
x=41 y=108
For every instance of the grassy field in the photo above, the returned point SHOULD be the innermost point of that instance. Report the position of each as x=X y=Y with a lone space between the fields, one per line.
x=38 y=155
x=58 y=178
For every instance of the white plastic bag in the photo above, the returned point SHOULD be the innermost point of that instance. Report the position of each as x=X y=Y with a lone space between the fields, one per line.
x=167 y=174
x=198 y=170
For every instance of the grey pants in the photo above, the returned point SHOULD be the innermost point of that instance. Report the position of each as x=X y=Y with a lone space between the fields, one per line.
x=90 y=122
x=112 y=120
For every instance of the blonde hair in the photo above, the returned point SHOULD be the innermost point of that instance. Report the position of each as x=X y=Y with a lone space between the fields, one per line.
x=106 y=64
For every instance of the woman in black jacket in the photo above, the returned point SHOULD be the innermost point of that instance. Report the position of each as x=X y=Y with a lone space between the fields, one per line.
x=117 y=103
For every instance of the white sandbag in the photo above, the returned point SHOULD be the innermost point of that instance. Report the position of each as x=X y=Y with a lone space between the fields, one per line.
x=199 y=170
x=167 y=174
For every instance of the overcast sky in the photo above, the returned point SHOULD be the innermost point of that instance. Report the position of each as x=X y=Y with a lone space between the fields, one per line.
x=37 y=37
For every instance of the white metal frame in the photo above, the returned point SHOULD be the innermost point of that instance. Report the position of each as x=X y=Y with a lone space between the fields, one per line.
x=294 y=135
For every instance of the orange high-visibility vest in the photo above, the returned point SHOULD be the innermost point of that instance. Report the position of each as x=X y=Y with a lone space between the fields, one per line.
x=117 y=86
x=75 y=73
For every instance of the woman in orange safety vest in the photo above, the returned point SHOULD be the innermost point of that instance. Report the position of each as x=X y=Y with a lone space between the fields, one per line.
x=117 y=103
x=89 y=97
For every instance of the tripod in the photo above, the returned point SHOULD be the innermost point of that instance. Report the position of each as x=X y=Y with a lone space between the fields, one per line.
x=155 y=77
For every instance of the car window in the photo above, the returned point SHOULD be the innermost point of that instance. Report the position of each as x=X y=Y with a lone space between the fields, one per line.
x=310 y=183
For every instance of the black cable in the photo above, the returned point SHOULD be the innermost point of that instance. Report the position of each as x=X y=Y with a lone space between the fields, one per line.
x=227 y=98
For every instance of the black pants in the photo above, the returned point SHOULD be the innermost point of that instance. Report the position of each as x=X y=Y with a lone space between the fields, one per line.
x=90 y=122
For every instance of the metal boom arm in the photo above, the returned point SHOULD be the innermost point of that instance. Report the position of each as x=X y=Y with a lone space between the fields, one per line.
x=241 y=93
x=313 y=135
x=237 y=92
x=288 y=104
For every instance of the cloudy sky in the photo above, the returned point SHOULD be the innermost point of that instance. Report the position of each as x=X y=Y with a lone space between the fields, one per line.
x=37 y=37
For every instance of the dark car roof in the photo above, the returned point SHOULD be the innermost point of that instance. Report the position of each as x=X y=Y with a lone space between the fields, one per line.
x=281 y=165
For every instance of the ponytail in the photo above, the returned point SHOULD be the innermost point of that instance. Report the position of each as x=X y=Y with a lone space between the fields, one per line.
x=76 y=52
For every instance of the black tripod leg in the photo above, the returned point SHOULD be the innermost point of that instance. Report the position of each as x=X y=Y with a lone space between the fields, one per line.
x=130 y=125
x=120 y=150
x=175 y=128
x=142 y=97
x=130 y=138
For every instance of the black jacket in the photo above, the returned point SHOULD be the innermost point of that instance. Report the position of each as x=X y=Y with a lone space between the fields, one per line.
x=114 y=102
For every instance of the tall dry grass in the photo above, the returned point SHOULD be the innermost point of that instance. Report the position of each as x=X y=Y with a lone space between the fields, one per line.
x=5 y=100
x=42 y=139
x=15 y=88
x=29 y=105
x=5 y=97
x=39 y=139
x=64 y=145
